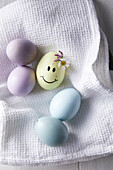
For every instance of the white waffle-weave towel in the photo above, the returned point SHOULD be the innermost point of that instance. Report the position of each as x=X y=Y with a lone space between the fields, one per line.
x=72 y=27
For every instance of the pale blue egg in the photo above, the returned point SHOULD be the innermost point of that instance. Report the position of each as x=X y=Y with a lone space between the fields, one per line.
x=65 y=104
x=51 y=131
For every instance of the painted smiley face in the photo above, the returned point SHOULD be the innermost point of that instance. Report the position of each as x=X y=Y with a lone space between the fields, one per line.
x=49 y=75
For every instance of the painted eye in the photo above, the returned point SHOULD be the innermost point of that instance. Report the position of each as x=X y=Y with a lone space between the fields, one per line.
x=54 y=69
x=48 y=68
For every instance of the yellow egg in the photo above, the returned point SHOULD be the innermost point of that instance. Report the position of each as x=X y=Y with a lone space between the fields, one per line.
x=49 y=74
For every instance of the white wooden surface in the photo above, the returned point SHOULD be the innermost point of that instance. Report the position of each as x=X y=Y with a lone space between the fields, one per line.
x=105 y=14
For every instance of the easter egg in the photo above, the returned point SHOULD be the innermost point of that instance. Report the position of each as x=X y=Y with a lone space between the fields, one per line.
x=21 y=81
x=49 y=75
x=51 y=131
x=65 y=104
x=21 y=51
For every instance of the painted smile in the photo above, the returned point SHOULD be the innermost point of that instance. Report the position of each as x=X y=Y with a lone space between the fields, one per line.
x=48 y=81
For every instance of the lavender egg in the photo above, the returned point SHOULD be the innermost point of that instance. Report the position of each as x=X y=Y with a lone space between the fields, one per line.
x=21 y=81
x=21 y=51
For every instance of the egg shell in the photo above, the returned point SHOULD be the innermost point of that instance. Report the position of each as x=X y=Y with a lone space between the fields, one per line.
x=65 y=104
x=51 y=131
x=21 y=51
x=51 y=78
x=21 y=81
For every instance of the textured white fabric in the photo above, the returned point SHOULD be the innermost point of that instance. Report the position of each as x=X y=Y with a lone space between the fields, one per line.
x=72 y=27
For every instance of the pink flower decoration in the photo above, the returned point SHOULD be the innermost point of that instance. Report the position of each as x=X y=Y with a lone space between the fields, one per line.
x=58 y=56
